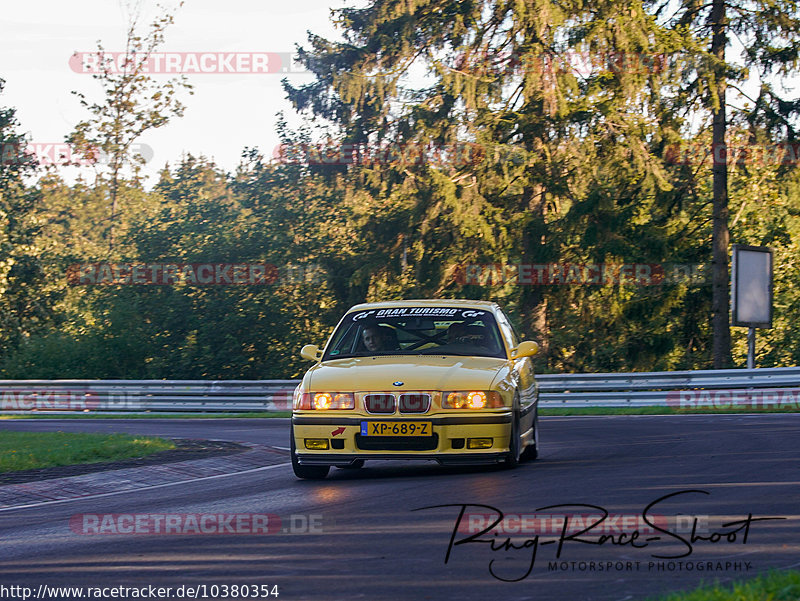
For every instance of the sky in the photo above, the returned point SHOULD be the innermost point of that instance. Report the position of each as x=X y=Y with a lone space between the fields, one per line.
x=228 y=111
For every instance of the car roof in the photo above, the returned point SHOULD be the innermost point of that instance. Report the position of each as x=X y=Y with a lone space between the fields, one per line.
x=441 y=302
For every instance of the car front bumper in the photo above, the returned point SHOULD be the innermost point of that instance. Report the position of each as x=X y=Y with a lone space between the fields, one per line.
x=448 y=443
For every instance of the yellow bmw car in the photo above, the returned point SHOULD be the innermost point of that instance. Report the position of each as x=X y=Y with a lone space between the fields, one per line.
x=446 y=380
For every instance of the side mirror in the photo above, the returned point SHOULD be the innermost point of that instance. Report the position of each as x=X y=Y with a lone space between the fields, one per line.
x=525 y=349
x=311 y=352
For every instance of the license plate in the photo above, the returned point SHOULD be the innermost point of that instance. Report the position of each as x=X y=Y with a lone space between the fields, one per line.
x=396 y=428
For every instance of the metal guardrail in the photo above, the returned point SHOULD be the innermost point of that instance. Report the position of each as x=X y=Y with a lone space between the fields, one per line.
x=778 y=386
x=146 y=395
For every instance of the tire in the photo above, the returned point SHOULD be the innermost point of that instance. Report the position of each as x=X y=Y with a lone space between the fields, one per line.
x=306 y=472
x=356 y=465
x=531 y=452
x=513 y=456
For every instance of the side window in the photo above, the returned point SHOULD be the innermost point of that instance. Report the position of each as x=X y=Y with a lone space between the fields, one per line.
x=515 y=334
x=507 y=329
x=345 y=343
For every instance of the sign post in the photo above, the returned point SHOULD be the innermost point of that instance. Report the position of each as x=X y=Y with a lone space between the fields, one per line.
x=751 y=284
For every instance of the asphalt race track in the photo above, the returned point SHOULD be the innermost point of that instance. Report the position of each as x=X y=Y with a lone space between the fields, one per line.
x=369 y=539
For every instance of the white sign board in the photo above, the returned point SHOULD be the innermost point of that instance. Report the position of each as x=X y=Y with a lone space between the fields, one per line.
x=751 y=283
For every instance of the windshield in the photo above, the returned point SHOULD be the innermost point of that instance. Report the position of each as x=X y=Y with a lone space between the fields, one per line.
x=416 y=331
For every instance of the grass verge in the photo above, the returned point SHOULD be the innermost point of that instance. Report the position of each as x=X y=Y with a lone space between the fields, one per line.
x=32 y=450
x=777 y=585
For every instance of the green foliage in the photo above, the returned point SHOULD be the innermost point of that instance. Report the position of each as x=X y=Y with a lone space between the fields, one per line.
x=36 y=450
x=27 y=299
x=133 y=103
x=775 y=585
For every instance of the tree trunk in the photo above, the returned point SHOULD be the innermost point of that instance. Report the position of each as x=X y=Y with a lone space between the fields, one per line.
x=114 y=184
x=533 y=303
x=720 y=295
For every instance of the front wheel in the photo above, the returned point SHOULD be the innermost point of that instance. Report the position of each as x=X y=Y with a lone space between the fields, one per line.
x=513 y=455
x=307 y=472
x=531 y=452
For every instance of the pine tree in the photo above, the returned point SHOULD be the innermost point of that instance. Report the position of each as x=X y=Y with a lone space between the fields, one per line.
x=530 y=103
x=768 y=32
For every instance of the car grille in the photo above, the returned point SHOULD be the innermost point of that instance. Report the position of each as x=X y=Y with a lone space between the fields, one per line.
x=380 y=403
x=397 y=443
x=415 y=403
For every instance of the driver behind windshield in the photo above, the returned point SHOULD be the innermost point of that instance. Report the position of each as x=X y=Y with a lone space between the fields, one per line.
x=379 y=338
x=456 y=332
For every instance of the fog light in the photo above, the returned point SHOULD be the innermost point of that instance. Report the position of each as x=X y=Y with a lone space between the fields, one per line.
x=317 y=444
x=479 y=443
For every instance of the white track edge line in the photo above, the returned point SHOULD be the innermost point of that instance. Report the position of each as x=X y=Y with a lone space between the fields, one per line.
x=133 y=490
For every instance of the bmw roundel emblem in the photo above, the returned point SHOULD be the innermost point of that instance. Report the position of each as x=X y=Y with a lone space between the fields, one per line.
x=397 y=383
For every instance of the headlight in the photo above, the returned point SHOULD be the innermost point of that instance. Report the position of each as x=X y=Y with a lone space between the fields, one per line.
x=474 y=399
x=326 y=400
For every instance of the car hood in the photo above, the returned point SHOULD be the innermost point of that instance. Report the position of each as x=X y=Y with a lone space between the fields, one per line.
x=429 y=372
